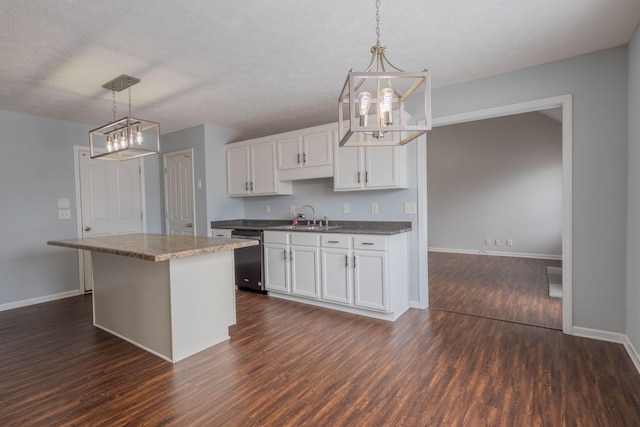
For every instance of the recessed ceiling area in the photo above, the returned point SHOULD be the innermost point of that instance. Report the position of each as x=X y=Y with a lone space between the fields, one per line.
x=264 y=67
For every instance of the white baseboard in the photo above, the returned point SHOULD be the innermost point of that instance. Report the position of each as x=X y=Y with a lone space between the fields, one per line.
x=496 y=253
x=38 y=300
x=613 y=337
x=415 y=304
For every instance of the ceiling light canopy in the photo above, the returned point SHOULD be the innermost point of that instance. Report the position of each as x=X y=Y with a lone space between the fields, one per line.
x=126 y=138
x=375 y=101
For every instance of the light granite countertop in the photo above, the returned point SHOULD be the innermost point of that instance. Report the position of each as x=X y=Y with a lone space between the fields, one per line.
x=154 y=247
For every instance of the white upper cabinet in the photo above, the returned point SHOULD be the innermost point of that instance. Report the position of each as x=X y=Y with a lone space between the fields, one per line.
x=251 y=171
x=369 y=168
x=305 y=154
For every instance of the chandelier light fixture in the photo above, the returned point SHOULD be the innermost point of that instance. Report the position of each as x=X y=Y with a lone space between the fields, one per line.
x=126 y=138
x=371 y=107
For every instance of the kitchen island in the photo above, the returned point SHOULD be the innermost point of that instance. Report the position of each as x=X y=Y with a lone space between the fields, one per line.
x=170 y=295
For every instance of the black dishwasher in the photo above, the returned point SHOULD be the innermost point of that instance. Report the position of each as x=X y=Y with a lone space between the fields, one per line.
x=248 y=262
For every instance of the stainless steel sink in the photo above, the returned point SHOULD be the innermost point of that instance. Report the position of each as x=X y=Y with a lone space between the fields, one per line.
x=304 y=227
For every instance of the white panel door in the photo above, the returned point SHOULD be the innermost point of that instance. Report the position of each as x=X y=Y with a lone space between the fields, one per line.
x=276 y=267
x=370 y=279
x=317 y=149
x=288 y=153
x=380 y=167
x=238 y=171
x=263 y=169
x=110 y=201
x=336 y=275
x=305 y=271
x=178 y=193
x=348 y=167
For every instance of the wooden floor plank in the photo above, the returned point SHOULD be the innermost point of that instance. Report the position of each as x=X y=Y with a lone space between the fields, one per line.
x=289 y=364
x=504 y=288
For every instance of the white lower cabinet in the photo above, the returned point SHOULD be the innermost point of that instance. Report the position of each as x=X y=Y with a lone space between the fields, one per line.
x=292 y=263
x=363 y=274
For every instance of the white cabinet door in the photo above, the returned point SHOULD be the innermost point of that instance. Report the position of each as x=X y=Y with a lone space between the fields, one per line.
x=336 y=275
x=348 y=167
x=305 y=271
x=238 y=171
x=370 y=279
x=317 y=149
x=263 y=171
x=380 y=166
x=288 y=153
x=276 y=267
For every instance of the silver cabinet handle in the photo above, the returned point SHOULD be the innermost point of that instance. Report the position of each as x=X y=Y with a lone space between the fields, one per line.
x=87 y=228
x=358 y=177
x=251 y=185
x=354 y=262
x=366 y=176
x=246 y=186
x=298 y=158
x=189 y=225
x=346 y=259
x=291 y=255
x=285 y=254
x=367 y=244
x=333 y=241
x=304 y=157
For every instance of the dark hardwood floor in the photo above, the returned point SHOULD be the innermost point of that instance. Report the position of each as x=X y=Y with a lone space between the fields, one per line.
x=289 y=364
x=504 y=288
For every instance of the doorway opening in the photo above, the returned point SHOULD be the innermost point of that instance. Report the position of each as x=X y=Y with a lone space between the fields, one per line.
x=564 y=105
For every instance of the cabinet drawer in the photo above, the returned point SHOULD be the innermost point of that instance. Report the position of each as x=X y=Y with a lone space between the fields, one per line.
x=280 y=237
x=370 y=242
x=220 y=232
x=335 y=241
x=305 y=239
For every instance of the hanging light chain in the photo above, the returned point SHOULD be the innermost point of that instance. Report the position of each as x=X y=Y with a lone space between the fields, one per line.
x=378 y=22
x=114 y=108
x=129 y=98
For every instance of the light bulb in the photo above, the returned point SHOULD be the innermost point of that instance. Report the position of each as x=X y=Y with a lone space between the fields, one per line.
x=385 y=100
x=123 y=140
x=364 y=99
x=139 y=138
x=109 y=144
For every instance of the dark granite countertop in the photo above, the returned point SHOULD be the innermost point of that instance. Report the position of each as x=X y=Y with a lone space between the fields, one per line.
x=341 y=227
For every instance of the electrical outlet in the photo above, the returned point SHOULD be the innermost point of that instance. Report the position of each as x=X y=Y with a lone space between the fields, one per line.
x=374 y=208
x=496 y=242
x=509 y=242
x=267 y=209
x=292 y=209
x=64 y=213
x=410 y=208
x=487 y=241
x=345 y=208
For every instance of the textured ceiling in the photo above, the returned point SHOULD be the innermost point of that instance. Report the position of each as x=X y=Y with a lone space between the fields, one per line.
x=267 y=66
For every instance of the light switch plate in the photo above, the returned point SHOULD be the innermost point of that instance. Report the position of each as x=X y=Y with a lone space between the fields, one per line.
x=345 y=208
x=64 y=204
x=374 y=208
x=292 y=209
x=410 y=208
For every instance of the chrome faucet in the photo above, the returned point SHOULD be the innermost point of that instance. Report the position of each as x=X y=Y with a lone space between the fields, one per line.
x=313 y=213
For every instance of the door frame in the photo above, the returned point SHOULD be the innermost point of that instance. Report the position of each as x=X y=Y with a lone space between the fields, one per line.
x=566 y=103
x=193 y=186
x=77 y=149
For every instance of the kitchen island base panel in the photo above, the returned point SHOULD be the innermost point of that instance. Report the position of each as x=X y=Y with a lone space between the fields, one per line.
x=173 y=308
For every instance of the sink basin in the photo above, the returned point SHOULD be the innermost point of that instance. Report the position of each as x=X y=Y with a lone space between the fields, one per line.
x=304 y=227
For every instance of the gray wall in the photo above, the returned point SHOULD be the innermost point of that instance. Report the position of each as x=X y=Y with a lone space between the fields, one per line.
x=219 y=206
x=633 y=216
x=500 y=179
x=208 y=143
x=598 y=83
x=37 y=164
x=192 y=137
